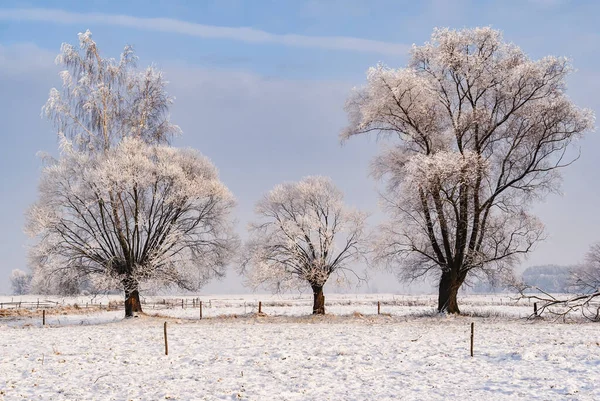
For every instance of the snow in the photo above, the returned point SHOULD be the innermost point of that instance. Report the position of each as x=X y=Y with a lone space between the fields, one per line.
x=411 y=355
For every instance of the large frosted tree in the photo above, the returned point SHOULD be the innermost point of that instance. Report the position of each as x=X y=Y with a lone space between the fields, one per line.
x=136 y=214
x=120 y=207
x=479 y=131
x=304 y=235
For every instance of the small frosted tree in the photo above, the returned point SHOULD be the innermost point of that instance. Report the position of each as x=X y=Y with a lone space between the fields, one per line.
x=481 y=131
x=20 y=282
x=305 y=234
x=136 y=214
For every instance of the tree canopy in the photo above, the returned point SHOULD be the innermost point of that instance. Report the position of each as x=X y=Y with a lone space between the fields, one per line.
x=480 y=132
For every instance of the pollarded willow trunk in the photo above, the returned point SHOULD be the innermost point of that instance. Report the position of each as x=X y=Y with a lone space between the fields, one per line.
x=319 y=300
x=132 y=298
x=448 y=290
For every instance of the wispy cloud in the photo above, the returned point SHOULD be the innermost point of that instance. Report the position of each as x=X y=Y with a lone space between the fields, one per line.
x=549 y=3
x=243 y=34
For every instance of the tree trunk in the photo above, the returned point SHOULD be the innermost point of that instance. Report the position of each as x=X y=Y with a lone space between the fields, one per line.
x=319 y=300
x=448 y=290
x=132 y=298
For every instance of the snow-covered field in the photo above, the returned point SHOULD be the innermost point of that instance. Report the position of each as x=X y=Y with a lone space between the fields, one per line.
x=289 y=355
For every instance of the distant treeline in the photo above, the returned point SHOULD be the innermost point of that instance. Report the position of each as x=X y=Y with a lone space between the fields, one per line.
x=549 y=278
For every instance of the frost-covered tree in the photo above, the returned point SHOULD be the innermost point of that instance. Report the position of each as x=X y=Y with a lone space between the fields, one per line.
x=136 y=214
x=481 y=131
x=20 y=282
x=304 y=234
x=120 y=208
x=584 y=279
x=104 y=100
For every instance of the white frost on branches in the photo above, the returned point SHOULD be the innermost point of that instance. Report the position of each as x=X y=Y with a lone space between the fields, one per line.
x=304 y=235
x=137 y=213
x=104 y=100
x=482 y=131
x=586 y=277
x=120 y=208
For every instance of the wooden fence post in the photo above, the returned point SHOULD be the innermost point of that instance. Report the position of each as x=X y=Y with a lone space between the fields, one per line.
x=259 y=307
x=43 y=317
x=182 y=307
x=535 y=313
x=472 y=335
x=200 y=309
x=166 y=342
x=378 y=307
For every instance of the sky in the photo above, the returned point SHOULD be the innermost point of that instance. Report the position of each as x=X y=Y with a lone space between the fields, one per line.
x=260 y=88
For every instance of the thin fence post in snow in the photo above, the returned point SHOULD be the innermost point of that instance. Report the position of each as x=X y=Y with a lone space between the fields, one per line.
x=200 y=309
x=259 y=307
x=535 y=313
x=166 y=342
x=38 y=304
x=472 y=335
x=378 y=307
x=182 y=307
x=43 y=317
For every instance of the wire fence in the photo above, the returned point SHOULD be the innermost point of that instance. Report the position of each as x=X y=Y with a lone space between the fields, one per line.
x=223 y=306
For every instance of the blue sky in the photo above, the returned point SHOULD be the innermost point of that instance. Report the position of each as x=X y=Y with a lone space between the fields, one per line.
x=260 y=88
